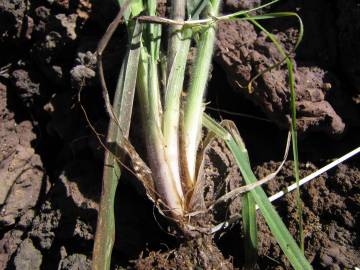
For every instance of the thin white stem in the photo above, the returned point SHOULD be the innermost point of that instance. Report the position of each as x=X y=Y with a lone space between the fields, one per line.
x=314 y=174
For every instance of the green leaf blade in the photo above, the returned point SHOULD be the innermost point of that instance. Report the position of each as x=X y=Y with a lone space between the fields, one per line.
x=123 y=102
x=249 y=229
x=276 y=225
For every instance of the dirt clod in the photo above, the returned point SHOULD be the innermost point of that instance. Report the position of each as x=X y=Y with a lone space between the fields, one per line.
x=45 y=225
x=27 y=90
x=75 y=262
x=244 y=53
x=8 y=246
x=27 y=256
x=12 y=14
x=21 y=169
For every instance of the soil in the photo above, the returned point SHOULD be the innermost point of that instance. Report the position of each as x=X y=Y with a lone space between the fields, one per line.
x=331 y=216
x=51 y=162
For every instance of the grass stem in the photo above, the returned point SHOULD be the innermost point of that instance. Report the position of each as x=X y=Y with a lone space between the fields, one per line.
x=194 y=106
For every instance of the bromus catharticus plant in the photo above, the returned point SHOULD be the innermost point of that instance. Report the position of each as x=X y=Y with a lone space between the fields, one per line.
x=173 y=121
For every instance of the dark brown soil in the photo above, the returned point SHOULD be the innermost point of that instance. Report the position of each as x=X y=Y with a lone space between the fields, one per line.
x=51 y=162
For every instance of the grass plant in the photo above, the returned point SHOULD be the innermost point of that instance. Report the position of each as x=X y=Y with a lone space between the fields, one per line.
x=173 y=120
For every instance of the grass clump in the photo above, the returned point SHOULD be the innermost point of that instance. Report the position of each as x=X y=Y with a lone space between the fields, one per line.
x=173 y=120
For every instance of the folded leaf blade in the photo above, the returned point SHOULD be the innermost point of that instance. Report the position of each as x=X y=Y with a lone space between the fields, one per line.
x=122 y=107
